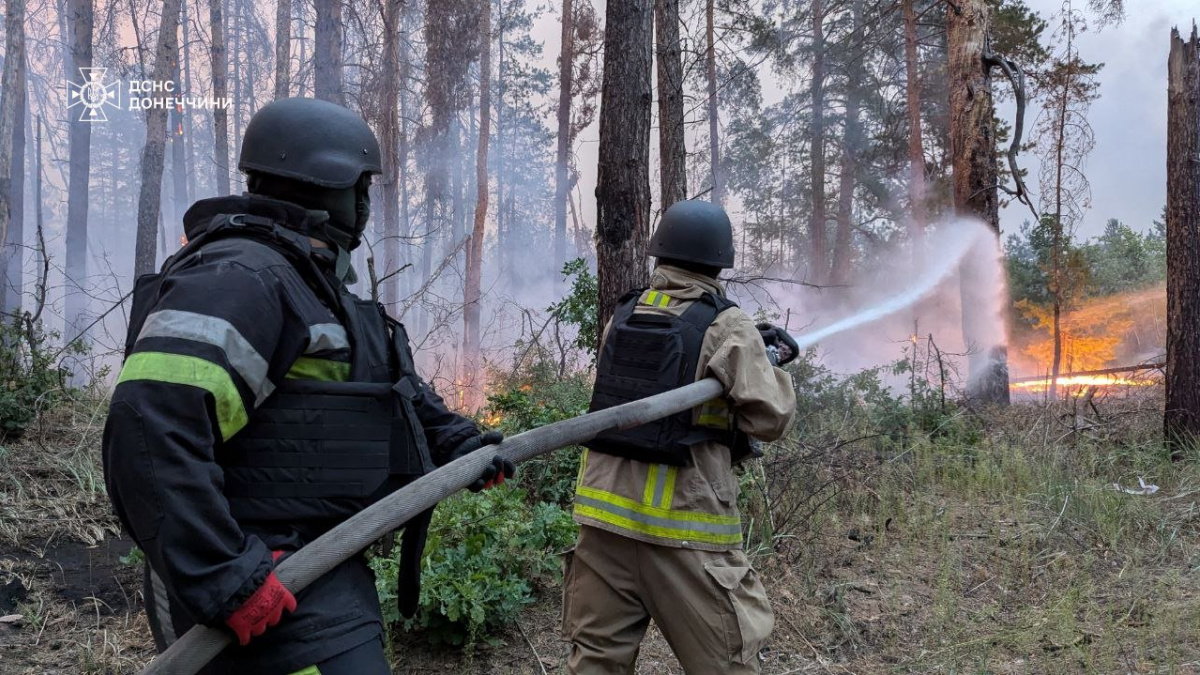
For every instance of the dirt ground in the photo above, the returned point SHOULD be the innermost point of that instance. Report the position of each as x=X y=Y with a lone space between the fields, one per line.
x=1011 y=553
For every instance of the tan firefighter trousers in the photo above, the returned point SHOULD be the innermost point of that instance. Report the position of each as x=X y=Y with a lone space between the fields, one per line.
x=710 y=605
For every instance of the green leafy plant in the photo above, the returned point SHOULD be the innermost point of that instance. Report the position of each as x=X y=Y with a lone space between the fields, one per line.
x=485 y=554
x=33 y=377
x=581 y=306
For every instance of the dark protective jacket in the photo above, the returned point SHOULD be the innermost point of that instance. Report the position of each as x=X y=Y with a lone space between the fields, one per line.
x=260 y=404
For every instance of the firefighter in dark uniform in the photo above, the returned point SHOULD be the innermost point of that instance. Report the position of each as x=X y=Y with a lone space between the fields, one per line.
x=660 y=533
x=261 y=403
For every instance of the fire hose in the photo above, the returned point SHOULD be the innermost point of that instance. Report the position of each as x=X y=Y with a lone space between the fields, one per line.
x=200 y=644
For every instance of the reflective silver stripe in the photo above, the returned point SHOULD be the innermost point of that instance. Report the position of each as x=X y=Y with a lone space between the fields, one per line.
x=660 y=484
x=655 y=521
x=326 y=337
x=162 y=608
x=219 y=333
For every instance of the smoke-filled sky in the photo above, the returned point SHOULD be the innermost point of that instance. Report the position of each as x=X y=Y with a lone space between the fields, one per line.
x=1127 y=169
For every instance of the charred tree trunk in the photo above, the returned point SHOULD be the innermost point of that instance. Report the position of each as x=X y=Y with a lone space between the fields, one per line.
x=843 y=247
x=623 y=178
x=327 y=57
x=392 y=73
x=283 y=48
x=918 y=214
x=80 y=20
x=1182 y=418
x=818 y=250
x=149 y=197
x=472 y=291
x=973 y=148
x=12 y=145
x=13 y=258
x=714 y=121
x=672 y=150
x=566 y=59
x=220 y=71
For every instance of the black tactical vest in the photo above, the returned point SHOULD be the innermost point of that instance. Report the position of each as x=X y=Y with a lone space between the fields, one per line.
x=646 y=354
x=316 y=452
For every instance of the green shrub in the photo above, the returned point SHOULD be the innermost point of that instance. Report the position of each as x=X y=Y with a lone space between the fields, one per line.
x=537 y=399
x=32 y=375
x=484 y=556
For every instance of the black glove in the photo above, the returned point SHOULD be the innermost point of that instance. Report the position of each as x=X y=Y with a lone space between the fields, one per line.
x=779 y=342
x=500 y=468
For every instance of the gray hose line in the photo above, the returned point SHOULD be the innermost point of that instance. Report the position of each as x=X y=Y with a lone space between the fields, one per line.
x=201 y=644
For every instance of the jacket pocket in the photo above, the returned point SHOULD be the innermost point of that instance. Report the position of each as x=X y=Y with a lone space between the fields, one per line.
x=749 y=605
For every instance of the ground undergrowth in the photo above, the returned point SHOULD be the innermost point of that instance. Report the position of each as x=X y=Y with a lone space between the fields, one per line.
x=951 y=541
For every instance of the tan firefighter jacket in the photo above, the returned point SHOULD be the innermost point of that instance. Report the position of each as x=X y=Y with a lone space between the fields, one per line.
x=693 y=506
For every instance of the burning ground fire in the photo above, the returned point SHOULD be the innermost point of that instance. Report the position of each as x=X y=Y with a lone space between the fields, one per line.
x=1102 y=333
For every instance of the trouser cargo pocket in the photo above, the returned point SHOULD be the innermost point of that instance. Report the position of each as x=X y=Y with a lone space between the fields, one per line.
x=567 y=621
x=749 y=605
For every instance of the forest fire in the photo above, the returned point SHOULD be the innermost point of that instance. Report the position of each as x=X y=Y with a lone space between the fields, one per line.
x=1107 y=343
x=1078 y=383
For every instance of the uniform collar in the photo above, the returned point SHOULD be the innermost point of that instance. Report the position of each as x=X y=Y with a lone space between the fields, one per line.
x=684 y=284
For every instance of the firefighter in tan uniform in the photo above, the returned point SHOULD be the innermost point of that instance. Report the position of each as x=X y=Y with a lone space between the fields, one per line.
x=660 y=533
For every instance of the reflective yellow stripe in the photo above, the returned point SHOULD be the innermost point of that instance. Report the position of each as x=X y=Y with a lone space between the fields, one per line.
x=311 y=670
x=582 y=467
x=669 y=490
x=657 y=299
x=310 y=368
x=715 y=413
x=648 y=491
x=634 y=521
x=196 y=372
x=656 y=512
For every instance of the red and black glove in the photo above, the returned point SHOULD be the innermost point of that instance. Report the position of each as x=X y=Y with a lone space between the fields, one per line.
x=263 y=609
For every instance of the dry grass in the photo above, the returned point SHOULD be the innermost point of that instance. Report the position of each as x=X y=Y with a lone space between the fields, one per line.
x=999 y=545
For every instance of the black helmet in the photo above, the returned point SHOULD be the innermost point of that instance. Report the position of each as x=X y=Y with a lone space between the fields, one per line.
x=310 y=140
x=694 y=231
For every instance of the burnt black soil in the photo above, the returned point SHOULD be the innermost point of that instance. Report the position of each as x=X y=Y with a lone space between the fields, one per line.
x=79 y=574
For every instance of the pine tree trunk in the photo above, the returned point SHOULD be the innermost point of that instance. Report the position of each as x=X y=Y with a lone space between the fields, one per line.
x=843 y=247
x=283 y=48
x=387 y=138
x=472 y=292
x=623 y=178
x=220 y=70
x=149 y=197
x=671 y=145
x=714 y=121
x=12 y=152
x=80 y=20
x=179 y=198
x=14 y=251
x=327 y=57
x=818 y=264
x=188 y=127
x=918 y=214
x=1182 y=416
x=973 y=148
x=566 y=71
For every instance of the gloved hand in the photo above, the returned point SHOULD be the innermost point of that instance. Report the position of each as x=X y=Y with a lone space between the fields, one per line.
x=263 y=609
x=500 y=468
x=784 y=346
